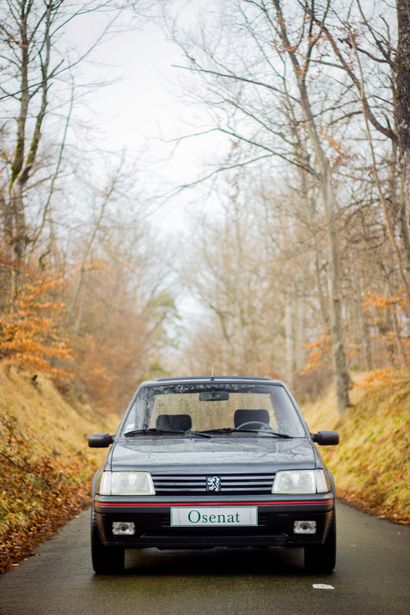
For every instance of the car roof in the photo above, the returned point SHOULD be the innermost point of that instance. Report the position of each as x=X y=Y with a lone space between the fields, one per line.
x=212 y=379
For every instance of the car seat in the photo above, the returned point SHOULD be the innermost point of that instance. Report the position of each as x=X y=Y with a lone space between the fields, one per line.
x=243 y=415
x=174 y=422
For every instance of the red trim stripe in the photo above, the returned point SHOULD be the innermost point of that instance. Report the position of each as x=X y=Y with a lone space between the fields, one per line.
x=196 y=504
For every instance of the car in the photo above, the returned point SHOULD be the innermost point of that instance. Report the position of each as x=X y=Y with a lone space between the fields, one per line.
x=213 y=461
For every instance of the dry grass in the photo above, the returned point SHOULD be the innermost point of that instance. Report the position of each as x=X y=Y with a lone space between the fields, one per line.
x=372 y=463
x=45 y=465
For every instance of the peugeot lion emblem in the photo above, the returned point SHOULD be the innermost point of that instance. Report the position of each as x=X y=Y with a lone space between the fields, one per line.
x=213 y=483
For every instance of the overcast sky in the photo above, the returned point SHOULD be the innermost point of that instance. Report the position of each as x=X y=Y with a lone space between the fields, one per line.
x=143 y=107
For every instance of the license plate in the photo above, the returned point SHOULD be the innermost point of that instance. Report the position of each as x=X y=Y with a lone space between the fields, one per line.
x=184 y=516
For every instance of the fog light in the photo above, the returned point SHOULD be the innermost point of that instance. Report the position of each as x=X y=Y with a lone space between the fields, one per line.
x=123 y=528
x=304 y=527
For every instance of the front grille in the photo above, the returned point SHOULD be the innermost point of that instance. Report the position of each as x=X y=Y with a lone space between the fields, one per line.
x=196 y=484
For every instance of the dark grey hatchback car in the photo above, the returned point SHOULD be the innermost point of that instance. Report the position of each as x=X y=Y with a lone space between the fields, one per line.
x=213 y=461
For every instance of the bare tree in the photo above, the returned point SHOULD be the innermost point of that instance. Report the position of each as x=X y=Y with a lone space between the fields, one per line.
x=362 y=47
x=274 y=103
x=33 y=63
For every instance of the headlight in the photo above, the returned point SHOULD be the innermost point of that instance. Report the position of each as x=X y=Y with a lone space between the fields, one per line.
x=126 y=483
x=301 y=481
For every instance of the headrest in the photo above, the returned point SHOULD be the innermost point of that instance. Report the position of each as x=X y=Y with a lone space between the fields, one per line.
x=242 y=416
x=174 y=422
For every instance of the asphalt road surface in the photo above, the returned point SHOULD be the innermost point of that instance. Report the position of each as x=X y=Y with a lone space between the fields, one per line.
x=372 y=577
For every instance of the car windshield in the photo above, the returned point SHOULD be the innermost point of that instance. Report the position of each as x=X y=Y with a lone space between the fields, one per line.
x=219 y=408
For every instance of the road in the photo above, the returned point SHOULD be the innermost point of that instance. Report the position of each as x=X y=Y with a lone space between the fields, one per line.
x=372 y=577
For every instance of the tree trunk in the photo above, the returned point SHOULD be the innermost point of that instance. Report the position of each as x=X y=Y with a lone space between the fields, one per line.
x=342 y=377
x=366 y=346
x=289 y=344
x=403 y=115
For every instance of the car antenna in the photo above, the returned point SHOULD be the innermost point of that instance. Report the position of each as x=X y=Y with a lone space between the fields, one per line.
x=212 y=372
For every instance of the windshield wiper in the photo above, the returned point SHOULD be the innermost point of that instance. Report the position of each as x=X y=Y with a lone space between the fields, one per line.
x=160 y=432
x=207 y=433
x=236 y=430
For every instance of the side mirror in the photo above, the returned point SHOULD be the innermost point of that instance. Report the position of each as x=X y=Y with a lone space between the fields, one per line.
x=100 y=440
x=326 y=438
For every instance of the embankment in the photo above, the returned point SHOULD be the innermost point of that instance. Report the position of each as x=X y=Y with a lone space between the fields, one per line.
x=45 y=466
x=371 y=465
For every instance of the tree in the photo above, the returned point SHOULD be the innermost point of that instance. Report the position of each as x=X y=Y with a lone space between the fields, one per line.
x=69 y=220
x=30 y=334
x=362 y=47
x=311 y=87
x=273 y=104
x=33 y=65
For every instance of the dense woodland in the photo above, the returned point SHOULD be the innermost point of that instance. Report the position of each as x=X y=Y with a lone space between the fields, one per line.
x=302 y=271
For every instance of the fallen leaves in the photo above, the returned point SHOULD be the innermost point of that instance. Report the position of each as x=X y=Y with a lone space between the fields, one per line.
x=39 y=494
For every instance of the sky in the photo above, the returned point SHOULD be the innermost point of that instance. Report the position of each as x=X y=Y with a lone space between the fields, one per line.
x=141 y=109
x=143 y=106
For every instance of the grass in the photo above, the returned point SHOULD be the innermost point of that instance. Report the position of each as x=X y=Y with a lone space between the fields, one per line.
x=371 y=465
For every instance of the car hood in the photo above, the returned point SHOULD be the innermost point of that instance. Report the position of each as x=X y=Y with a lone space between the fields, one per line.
x=229 y=454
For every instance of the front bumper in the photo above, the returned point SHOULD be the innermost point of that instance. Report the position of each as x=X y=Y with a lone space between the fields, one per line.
x=151 y=517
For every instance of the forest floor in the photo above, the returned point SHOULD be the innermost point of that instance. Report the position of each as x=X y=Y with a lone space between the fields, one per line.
x=45 y=465
x=371 y=465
